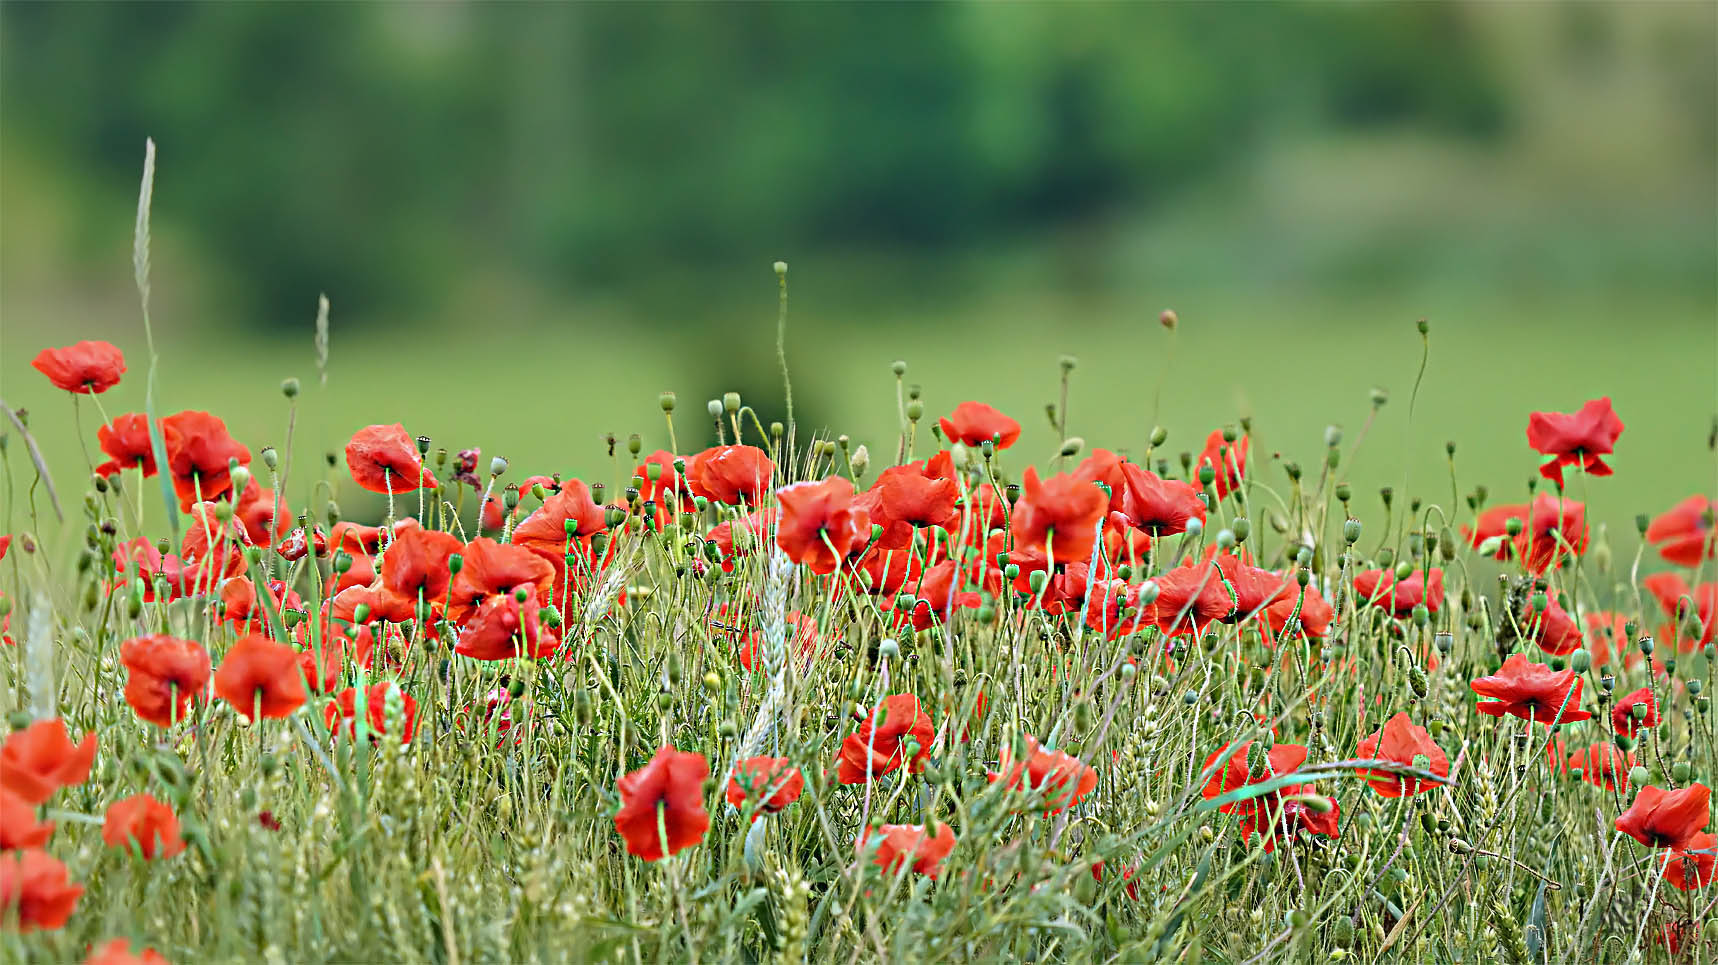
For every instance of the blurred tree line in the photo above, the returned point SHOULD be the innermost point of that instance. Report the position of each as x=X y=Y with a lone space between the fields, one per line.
x=363 y=148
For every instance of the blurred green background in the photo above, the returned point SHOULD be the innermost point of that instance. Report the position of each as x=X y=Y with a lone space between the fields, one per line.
x=532 y=218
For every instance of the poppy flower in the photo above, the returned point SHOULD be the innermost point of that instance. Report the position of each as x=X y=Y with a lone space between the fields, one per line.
x=1667 y=819
x=1684 y=533
x=1288 y=815
x=882 y=572
x=1401 y=741
x=118 y=952
x=489 y=568
x=1575 y=438
x=259 y=675
x=662 y=805
x=1189 y=597
x=1554 y=530
x=212 y=550
x=40 y=759
x=1303 y=604
x=263 y=514
x=496 y=718
x=1669 y=589
x=165 y=675
x=1623 y=714
x=35 y=890
x=18 y=825
x=1380 y=588
x=661 y=484
x=87 y=367
x=1061 y=513
x=730 y=474
x=302 y=542
x=504 y=627
x=769 y=781
x=1062 y=778
x=342 y=712
x=1130 y=886
x=1228 y=461
x=974 y=423
x=1531 y=691
x=909 y=496
x=1602 y=764
x=1695 y=865
x=1236 y=772
x=547 y=529
x=323 y=675
x=1553 y=630
x=880 y=745
x=239 y=601
x=1163 y=507
x=751 y=639
x=142 y=821
x=1254 y=589
x=383 y=459
x=140 y=558
x=743 y=534
x=199 y=452
x=126 y=443
x=355 y=538
x=937 y=595
x=1607 y=636
x=898 y=844
x=415 y=569
x=818 y=526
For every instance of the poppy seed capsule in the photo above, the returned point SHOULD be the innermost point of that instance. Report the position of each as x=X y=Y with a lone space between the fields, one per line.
x=497 y=466
x=714 y=407
x=915 y=410
x=1241 y=529
x=731 y=402
x=289 y=388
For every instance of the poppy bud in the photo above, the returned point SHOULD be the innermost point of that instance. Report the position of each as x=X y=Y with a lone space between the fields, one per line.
x=1226 y=539
x=915 y=410
x=714 y=407
x=289 y=388
x=1404 y=569
x=1037 y=580
x=1072 y=445
x=731 y=402
x=1639 y=776
x=1241 y=529
x=1680 y=772
x=1351 y=531
x=224 y=511
x=888 y=649
x=1206 y=474
x=497 y=466
x=1258 y=758
x=455 y=563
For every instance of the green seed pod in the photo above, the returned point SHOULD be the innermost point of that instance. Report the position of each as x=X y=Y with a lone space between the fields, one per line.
x=1639 y=777
x=1351 y=531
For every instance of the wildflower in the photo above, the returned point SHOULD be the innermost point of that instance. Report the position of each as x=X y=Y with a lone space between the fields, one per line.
x=1160 y=506
x=1553 y=629
x=730 y=474
x=1288 y=815
x=1695 y=864
x=125 y=441
x=341 y=713
x=18 y=825
x=1669 y=589
x=1531 y=691
x=818 y=526
x=260 y=676
x=1602 y=764
x=1062 y=778
x=769 y=781
x=898 y=844
x=263 y=514
x=1380 y=588
x=86 y=367
x=40 y=759
x=383 y=459
x=909 y=496
x=1129 y=885
x=139 y=557
x=1189 y=597
x=1236 y=772
x=35 y=890
x=415 y=570
x=489 y=569
x=1104 y=466
x=118 y=952
x=1623 y=717
x=165 y=674
x=662 y=805
x=1401 y=741
x=1684 y=533
x=1607 y=636
x=198 y=454
x=1666 y=819
x=143 y=822
x=547 y=530
x=880 y=745
x=937 y=594
x=975 y=423
x=1228 y=460
x=1575 y=438
x=503 y=627
x=1061 y=513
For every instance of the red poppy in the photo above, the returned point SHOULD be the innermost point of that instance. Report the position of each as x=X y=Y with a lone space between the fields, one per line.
x=1189 y=597
x=489 y=568
x=383 y=459
x=1607 y=636
x=882 y=572
x=1062 y=778
x=1531 y=691
x=1288 y=816
x=125 y=441
x=1236 y=773
x=239 y=602
x=805 y=635
x=898 y=844
x=743 y=534
x=140 y=558
x=910 y=496
x=1553 y=630
x=341 y=714
x=301 y=542
x=199 y=452
x=879 y=746
x=1381 y=589
x=937 y=595
x=258 y=675
x=818 y=526
x=1602 y=764
x=118 y=952
x=1402 y=742
x=1228 y=460
x=1684 y=533
x=1304 y=604
x=667 y=484
x=769 y=781
x=1575 y=438
x=144 y=822
x=35 y=890
x=1554 y=529
x=1623 y=714
x=415 y=569
x=18 y=825
x=212 y=550
x=975 y=423
x=86 y=367
x=1130 y=886
x=323 y=675
x=1669 y=589
x=1161 y=506
x=166 y=673
x=1667 y=819
x=1061 y=513
x=263 y=514
x=498 y=707
x=662 y=805
x=547 y=530
x=1694 y=865
x=730 y=474
x=504 y=627
x=40 y=759
x=355 y=538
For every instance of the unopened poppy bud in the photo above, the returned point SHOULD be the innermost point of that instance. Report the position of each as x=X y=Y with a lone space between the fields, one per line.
x=1680 y=772
x=1168 y=319
x=1206 y=474
x=1011 y=572
x=1241 y=529
x=1302 y=577
x=289 y=388
x=888 y=649
x=224 y=511
x=1490 y=545
x=1379 y=397
x=455 y=563
x=515 y=687
x=1258 y=758
x=1512 y=526
x=1072 y=445
x=1226 y=539
x=1351 y=531
x=1639 y=776
x=361 y=613
x=1037 y=580
x=915 y=410
x=1404 y=569
x=731 y=402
